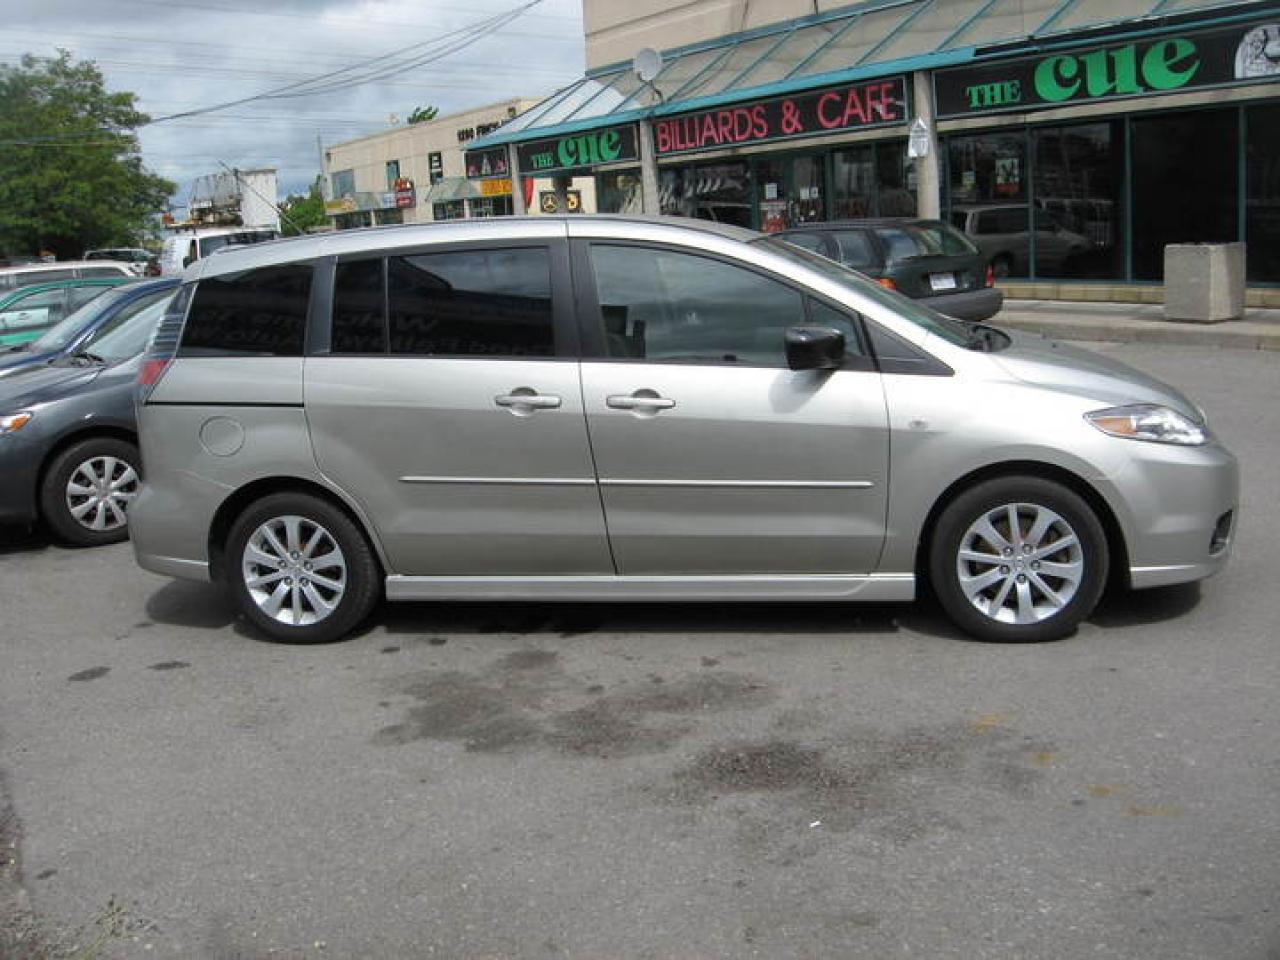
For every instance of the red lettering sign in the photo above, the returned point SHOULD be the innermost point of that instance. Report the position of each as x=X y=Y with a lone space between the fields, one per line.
x=850 y=107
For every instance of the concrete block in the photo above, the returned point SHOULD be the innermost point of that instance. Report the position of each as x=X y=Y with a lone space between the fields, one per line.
x=1204 y=282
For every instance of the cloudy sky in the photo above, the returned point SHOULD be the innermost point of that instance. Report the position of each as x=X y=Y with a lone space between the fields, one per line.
x=181 y=55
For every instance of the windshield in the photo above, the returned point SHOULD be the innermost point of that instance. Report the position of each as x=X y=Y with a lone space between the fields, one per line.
x=127 y=335
x=918 y=240
x=953 y=331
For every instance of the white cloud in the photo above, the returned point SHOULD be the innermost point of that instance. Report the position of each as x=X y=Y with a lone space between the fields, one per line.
x=180 y=55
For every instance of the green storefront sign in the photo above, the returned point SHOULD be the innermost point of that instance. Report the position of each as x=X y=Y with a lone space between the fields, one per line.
x=578 y=151
x=1150 y=66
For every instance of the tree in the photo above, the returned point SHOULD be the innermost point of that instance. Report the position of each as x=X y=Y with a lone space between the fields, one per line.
x=71 y=176
x=423 y=114
x=302 y=212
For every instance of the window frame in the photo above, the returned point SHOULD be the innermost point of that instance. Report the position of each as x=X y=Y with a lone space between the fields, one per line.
x=595 y=345
x=565 y=337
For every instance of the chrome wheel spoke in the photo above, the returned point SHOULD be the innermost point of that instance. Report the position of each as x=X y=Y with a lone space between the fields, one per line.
x=333 y=585
x=987 y=531
x=1044 y=520
x=1047 y=592
x=319 y=604
x=1002 y=595
x=263 y=579
x=979 y=582
x=276 y=599
x=1026 y=606
x=316 y=536
x=1071 y=572
x=1066 y=542
x=79 y=510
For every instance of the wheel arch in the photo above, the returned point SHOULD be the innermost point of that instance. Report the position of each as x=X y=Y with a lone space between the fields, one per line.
x=1118 y=577
x=93 y=431
x=230 y=508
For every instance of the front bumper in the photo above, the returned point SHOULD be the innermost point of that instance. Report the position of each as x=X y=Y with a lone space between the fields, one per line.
x=19 y=471
x=1183 y=508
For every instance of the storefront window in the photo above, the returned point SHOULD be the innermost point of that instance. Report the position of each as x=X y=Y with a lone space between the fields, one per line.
x=1185 y=179
x=896 y=180
x=853 y=182
x=772 y=176
x=1078 y=173
x=453 y=210
x=721 y=192
x=383 y=218
x=619 y=192
x=987 y=177
x=1262 y=224
x=491 y=207
x=672 y=198
x=807 y=176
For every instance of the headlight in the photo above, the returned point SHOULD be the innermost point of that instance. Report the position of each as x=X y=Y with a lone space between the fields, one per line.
x=1149 y=421
x=14 y=422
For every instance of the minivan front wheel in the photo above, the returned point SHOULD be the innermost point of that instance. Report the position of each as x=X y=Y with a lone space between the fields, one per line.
x=1018 y=559
x=300 y=570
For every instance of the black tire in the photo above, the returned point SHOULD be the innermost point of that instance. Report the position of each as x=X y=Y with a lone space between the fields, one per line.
x=302 y=589
x=1050 y=604
x=86 y=490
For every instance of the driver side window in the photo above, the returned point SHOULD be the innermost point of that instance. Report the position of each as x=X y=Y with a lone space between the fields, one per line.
x=667 y=306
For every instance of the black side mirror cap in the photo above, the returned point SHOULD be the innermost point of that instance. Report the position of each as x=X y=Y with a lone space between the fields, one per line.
x=814 y=348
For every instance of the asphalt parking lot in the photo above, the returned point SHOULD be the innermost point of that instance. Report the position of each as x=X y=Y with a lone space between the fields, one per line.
x=650 y=781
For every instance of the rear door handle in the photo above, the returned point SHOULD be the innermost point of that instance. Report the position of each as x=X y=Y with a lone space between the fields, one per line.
x=640 y=400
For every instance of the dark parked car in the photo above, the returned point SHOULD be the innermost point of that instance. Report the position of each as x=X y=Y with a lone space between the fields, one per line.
x=926 y=260
x=91 y=322
x=68 y=437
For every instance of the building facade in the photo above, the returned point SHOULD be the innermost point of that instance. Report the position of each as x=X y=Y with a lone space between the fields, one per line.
x=415 y=173
x=1073 y=139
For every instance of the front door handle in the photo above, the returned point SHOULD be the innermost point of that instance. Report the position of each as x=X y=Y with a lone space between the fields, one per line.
x=522 y=401
x=642 y=400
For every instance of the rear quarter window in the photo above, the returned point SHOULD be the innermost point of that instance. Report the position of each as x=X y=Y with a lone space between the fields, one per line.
x=257 y=313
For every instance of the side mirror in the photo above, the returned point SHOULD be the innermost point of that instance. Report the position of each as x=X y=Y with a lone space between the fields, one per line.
x=814 y=348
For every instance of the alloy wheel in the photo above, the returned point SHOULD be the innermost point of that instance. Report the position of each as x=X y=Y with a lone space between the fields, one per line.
x=294 y=570
x=1020 y=563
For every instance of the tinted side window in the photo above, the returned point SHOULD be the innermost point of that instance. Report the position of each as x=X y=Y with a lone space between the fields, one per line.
x=258 y=312
x=79 y=296
x=102 y=272
x=359 y=308
x=473 y=303
x=822 y=315
x=665 y=305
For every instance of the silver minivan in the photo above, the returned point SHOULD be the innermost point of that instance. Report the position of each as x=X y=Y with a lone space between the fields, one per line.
x=599 y=408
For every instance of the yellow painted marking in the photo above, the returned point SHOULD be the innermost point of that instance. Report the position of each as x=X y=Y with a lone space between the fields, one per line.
x=1154 y=810
x=989 y=721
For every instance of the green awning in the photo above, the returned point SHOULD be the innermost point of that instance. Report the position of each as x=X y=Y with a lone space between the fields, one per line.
x=869 y=39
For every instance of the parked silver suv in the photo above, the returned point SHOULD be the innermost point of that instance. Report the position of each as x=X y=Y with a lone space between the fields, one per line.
x=594 y=408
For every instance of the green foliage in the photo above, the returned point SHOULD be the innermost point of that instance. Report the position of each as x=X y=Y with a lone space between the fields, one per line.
x=303 y=213
x=422 y=114
x=71 y=177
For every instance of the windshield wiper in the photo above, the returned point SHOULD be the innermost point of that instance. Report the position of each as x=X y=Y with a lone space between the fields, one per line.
x=16 y=348
x=88 y=357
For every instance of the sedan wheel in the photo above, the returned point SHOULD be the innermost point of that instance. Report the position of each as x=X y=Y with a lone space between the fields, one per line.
x=300 y=569
x=87 y=490
x=1018 y=559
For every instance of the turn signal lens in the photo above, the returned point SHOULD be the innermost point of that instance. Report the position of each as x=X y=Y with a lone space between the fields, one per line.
x=14 y=422
x=1151 y=422
x=991 y=276
x=888 y=283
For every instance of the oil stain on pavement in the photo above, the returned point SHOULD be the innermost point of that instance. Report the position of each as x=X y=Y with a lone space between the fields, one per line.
x=526 y=700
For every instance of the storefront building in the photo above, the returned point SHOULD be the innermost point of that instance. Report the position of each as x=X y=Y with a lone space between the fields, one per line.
x=415 y=173
x=1073 y=139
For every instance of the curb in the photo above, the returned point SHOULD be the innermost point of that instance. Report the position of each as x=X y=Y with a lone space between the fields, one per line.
x=1118 y=325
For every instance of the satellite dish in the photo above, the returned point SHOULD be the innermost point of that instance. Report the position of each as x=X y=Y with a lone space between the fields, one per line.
x=647 y=64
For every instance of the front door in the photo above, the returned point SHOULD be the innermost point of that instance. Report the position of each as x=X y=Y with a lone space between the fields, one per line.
x=450 y=406
x=713 y=457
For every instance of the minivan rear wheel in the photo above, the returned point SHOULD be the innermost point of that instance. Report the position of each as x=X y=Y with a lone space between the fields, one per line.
x=300 y=569
x=1018 y=560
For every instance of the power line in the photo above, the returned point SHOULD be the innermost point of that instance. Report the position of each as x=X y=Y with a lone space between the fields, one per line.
x=350 y=76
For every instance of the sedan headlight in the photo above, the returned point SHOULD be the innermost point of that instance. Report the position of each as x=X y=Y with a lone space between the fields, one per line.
x=1149 y=421
x=14 y=422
